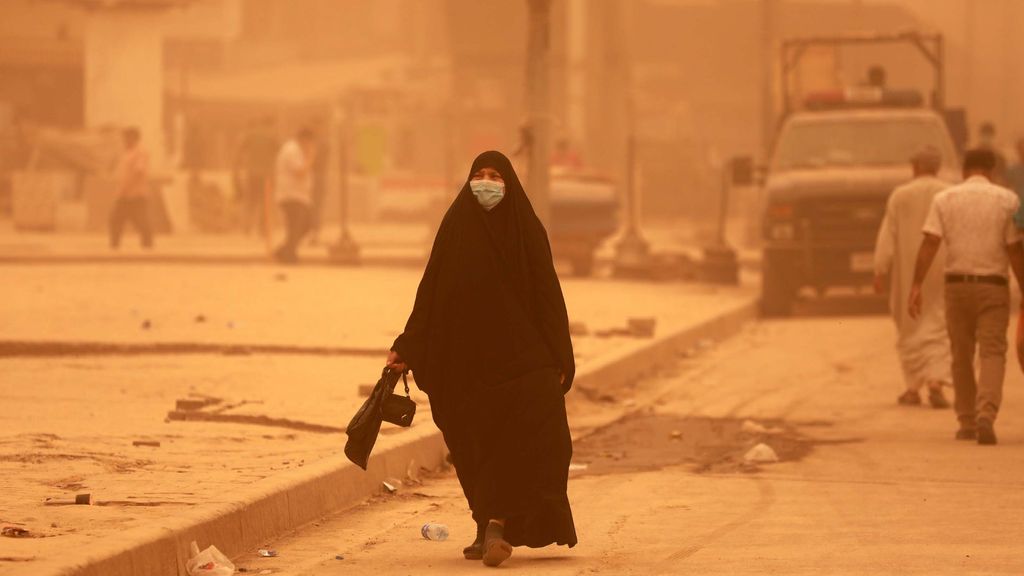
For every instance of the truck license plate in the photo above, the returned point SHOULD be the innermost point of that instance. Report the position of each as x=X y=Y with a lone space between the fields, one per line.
x=862 y=262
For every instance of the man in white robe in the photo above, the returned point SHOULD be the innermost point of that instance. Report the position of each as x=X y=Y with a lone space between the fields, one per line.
x=923 y=344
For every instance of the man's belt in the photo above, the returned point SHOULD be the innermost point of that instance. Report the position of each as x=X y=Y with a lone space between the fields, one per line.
x=970 y=279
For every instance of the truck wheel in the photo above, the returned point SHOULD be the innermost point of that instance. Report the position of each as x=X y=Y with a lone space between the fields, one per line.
x=777 y=293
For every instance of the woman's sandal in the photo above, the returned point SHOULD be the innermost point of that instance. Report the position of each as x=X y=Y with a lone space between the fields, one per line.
x=496 y=549
x=475 y=551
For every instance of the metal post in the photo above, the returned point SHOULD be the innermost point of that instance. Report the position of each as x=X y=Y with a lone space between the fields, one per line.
x=720 y=264
x=345 y=250
x=632 y=253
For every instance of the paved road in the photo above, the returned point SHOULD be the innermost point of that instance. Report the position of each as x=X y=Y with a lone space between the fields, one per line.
x=865 y=486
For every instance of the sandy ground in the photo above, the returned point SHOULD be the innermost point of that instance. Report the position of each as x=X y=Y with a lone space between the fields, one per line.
x=864 y=486
x=358 y=308
x=69 y=423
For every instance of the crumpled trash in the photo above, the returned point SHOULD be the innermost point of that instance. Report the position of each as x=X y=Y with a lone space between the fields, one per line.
x=15 y=532
x=761 y=454
x=209 y=562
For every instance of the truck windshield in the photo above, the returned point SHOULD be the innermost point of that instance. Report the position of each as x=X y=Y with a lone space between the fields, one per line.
x=857 y=142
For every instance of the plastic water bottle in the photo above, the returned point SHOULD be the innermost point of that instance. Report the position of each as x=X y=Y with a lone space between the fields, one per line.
x=434 y=531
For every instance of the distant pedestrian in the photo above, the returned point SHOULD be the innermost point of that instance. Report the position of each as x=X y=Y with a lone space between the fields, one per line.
x=1015 y=180
x=294 y=190
x=987 y=140
x=132 y=195
x=488 y=341
x=975 y=221
x=923 y=343
x=254 y=168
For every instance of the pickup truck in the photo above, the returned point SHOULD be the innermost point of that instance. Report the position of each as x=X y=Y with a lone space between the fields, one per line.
x=826 y=190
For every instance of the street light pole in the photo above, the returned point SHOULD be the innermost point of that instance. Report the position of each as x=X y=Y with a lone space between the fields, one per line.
x=538 y=86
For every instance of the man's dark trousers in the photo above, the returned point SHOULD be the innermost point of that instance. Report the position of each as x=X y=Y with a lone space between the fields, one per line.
x=134 y=209
x=297 y=220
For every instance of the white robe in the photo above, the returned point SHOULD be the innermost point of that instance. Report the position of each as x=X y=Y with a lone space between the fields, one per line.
x=923 y=344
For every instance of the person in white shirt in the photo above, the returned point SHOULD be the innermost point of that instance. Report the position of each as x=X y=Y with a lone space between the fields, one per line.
x=923 y=344
x=975 y=221
x=293 y=187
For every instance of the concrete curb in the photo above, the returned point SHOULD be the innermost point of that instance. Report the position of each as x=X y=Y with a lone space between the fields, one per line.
x=46 y=349
x=396 y=261
x=289 y=500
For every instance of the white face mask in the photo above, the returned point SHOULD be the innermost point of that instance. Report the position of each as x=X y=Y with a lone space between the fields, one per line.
x=488 y=192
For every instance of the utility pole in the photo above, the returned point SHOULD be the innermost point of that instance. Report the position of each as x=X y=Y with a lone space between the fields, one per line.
x=538 y=97
x=769 y=16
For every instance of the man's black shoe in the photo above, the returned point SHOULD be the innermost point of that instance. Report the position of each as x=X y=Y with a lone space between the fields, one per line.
x=909 y=398
x=937 y=399
x=966 y=434
x=986 y=434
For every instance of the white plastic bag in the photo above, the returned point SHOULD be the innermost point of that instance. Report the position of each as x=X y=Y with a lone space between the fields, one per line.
x=209 y=562
x=761 y=454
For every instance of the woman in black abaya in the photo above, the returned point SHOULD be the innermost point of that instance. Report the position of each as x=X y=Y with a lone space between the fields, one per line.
x=488 y=341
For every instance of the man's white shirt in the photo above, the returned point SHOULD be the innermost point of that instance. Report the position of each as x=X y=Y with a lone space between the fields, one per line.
x=293 y=182
x=975 y=221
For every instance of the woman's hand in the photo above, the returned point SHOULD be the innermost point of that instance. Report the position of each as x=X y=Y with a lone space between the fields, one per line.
x=396 y=363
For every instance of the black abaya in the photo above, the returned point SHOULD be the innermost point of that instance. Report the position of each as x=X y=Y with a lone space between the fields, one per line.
x=488 y=341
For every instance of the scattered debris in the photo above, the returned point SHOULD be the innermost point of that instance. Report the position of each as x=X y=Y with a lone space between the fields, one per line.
x=80 y=500
x=150 y=443
x=209 y=562
x=578 y=329
x=676 y=435
x=610 y=332
x=200 y=319
x=642 y=327
x=146 y=324
x=391 y=485
x=194 y=403
x=281 y=277
x=705 y=343
x=751 y=427
x=15 y=532
x=434 y=531
x=257 y=419
x=339 y=557
x=573 y=466
x=267 y=553
x=761 y=454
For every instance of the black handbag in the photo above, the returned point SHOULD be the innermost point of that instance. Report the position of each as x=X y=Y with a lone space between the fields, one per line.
x=382 y=405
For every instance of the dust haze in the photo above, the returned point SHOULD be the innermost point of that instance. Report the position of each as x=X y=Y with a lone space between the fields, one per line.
x=215 y=216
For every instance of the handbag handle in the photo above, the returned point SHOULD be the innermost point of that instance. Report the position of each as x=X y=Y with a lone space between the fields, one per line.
x=405 y=380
